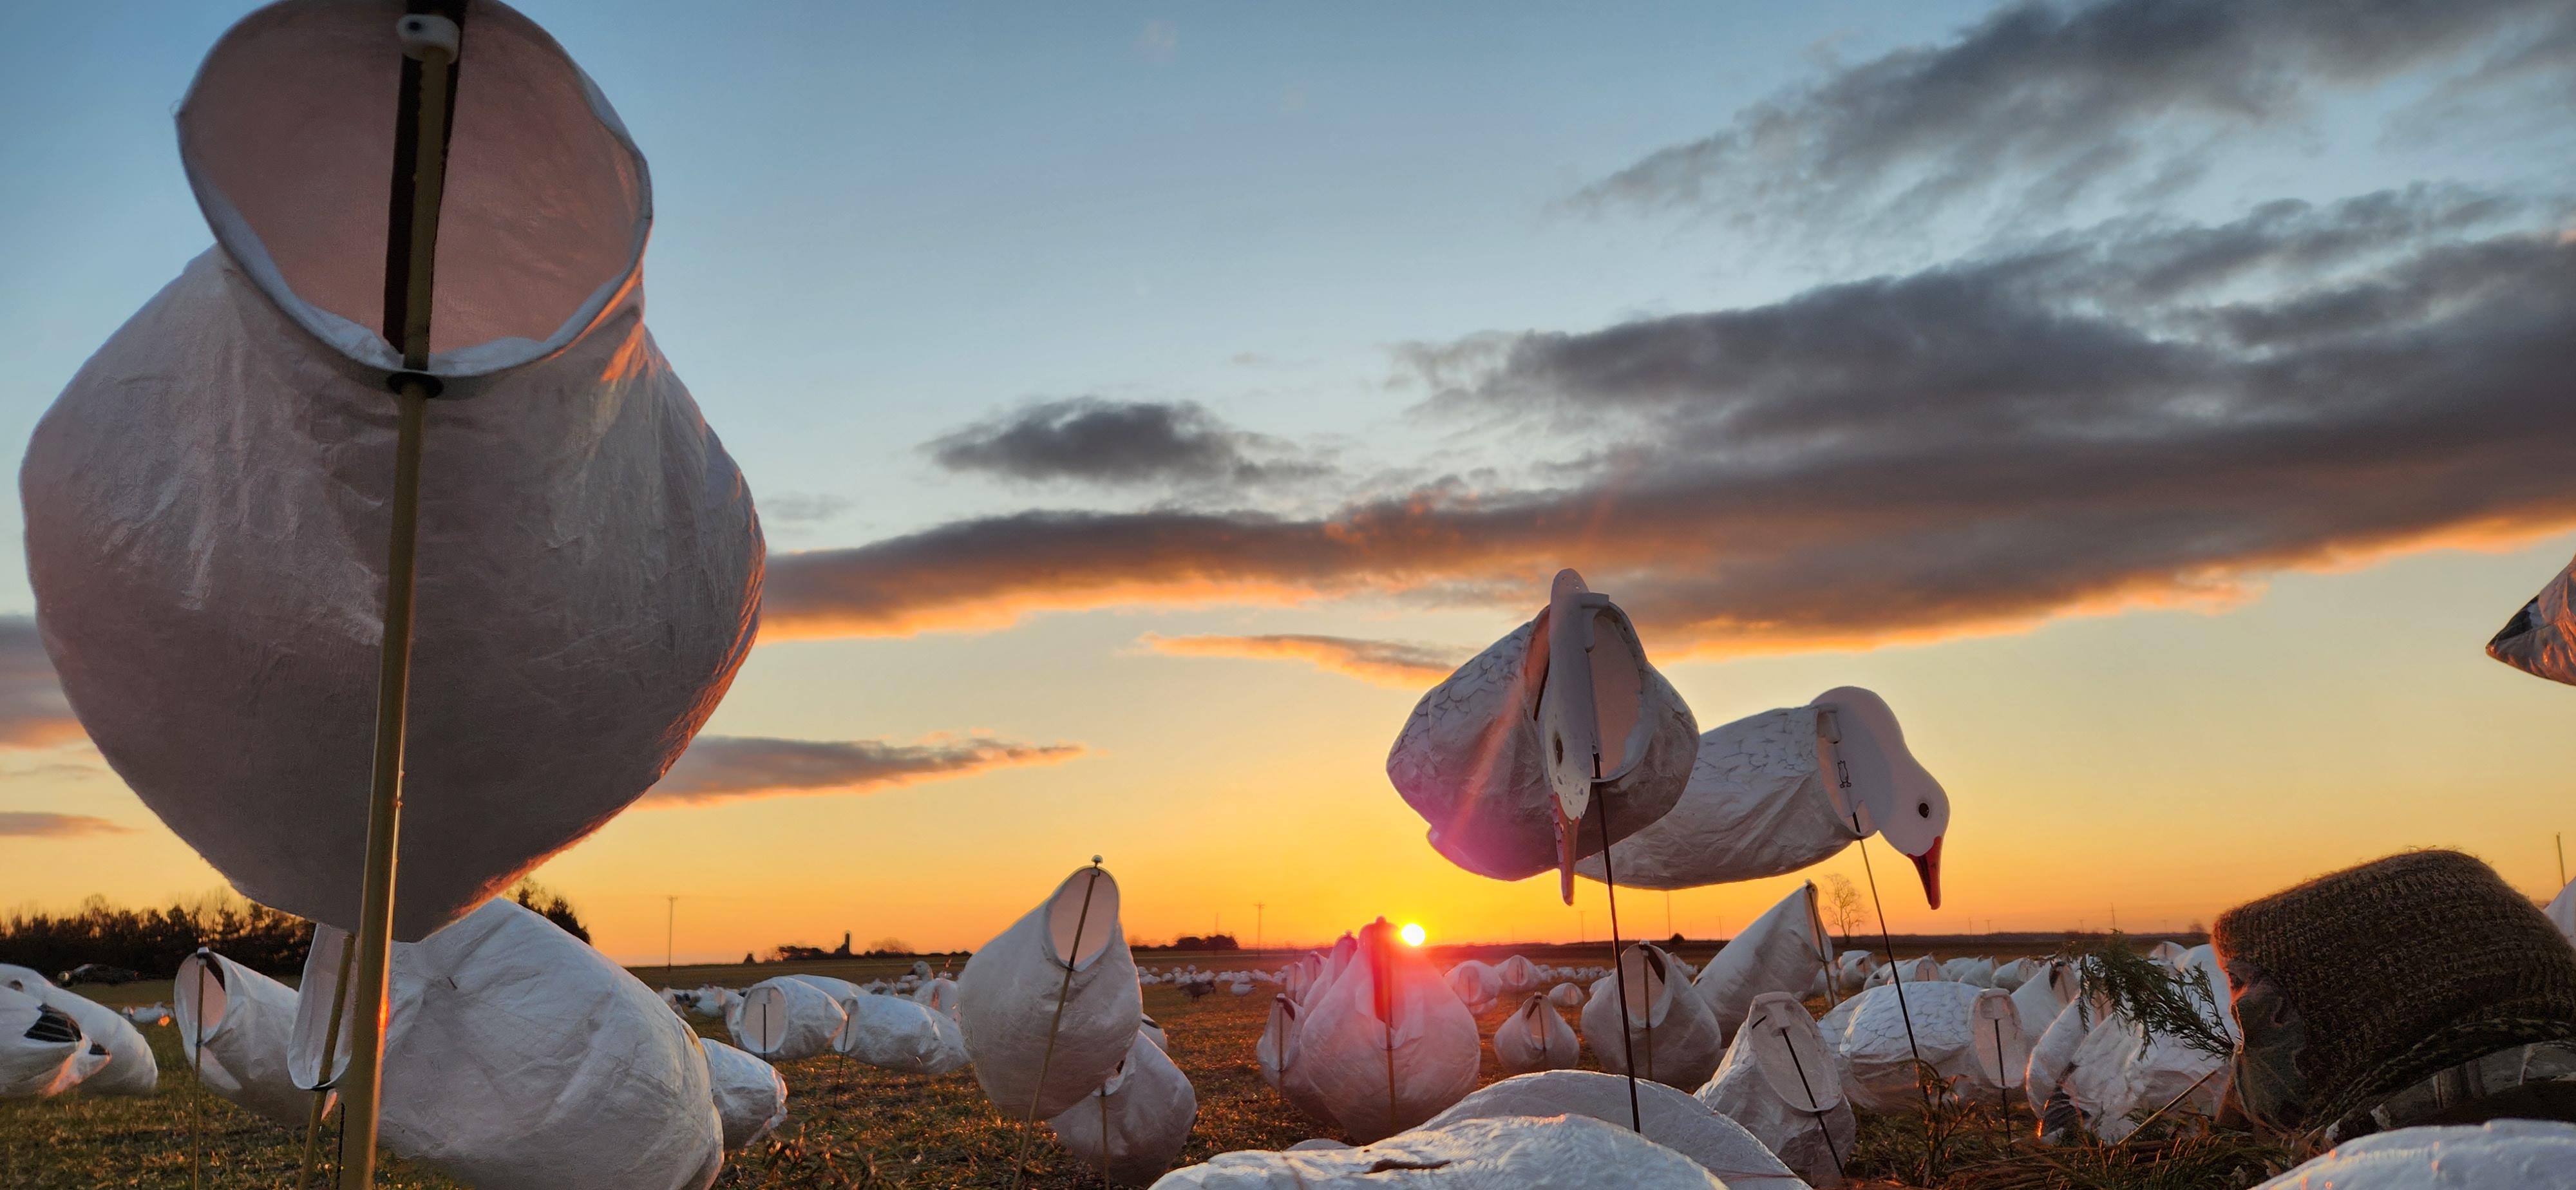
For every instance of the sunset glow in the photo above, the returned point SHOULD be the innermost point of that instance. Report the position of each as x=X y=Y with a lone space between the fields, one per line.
x=1412 y=933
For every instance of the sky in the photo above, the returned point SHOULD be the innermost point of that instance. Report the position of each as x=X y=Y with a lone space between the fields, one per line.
x=2160 y=402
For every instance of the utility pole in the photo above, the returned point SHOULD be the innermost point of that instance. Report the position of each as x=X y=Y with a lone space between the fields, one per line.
x=1583 y=925
x=670 y=920
x=1668 y=912
x=1258 y=909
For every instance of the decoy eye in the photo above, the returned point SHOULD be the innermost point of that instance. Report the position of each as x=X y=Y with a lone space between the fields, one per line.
x=1923 y=809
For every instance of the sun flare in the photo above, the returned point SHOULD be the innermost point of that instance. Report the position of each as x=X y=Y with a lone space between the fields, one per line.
x=1412 y=933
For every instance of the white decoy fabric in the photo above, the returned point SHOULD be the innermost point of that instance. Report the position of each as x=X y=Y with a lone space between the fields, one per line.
x=785 y=1020
x=518 y=1058
x=1779 y=1081
x=1782 y=951
x=1070 y=951
x=2043 y=994
x=899 y=1034
x=1510 y=1153
x=1754 y=806
x=750 y=1097
x=1871 y=1042
x=2497 y=1155
x=1475 y=984
x=207 y=511
x=1134 y=1126
x=1670 y=1029
x=1378 y=1074
x=2562 y=911
x=130 y=1068
x=247 y=1022
x=2121 y=1068
x=2540 y=639
x=2053 y=1055
x=39 y=1047
x=1534 y=1038
x=1468 y=761
x=1668 y=1117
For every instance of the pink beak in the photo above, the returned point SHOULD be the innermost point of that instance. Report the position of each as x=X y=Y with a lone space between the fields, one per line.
x=1928 y=865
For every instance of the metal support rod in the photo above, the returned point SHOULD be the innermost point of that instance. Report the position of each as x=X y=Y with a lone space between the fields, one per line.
x=1823 y=1125
x=1895 y=976
x=322 y=1074
x=428 y=138
x=1619 y=969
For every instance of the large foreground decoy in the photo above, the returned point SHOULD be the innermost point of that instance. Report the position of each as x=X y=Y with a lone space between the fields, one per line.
x=2540 y=640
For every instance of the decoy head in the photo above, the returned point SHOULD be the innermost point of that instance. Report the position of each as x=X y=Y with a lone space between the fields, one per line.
x=1877 y=784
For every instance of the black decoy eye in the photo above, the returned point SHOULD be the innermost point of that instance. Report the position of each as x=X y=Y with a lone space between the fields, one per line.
x=1923 y=809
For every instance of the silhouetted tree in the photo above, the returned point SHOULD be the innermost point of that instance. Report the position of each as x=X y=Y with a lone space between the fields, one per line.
x=551 y=905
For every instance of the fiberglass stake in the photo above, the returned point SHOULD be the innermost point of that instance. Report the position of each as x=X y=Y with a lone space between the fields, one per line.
x=1619 y=969
x=429 y=46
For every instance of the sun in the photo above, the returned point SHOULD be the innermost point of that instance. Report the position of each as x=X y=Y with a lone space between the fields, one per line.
x=1412 y=933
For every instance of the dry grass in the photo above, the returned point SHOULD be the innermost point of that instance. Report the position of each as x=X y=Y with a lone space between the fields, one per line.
x=851 y=1126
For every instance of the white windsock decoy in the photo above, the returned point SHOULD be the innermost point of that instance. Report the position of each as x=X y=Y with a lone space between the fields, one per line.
x=130 y=1068
x=2122 y=1069
x=785 y=1020
x=1475 y=983
x=751 y=1100
x=2562 y=911
x=837 y=989
x=939 y=995
x=1558 y=737
x=1566 y=995
x=2008 y=975
x=2052 y=1056
x=2044 y=993
x=1670 y=1030
x=40 y=1048
x=1277 y=1049
x=1853 y=970
x=1772 y=793
x=1665 y=1116
x=2540 y=640
x=1570 y=1152
x=1782 y=951
x=1969 y=970
x=1050 y=1005
x=1383 y=1046
x=899 y=1034
x=2219 y=1008
x=1869 y=1031
x=1134 y=1126
x=1517 y=976
x=207 y=502
x=2171 y=954
x=2504 y=1154
x=247 y=1025
x=501 y=1019
x=1779 y=1081
x=1534 y=1038
x=2003 y=1051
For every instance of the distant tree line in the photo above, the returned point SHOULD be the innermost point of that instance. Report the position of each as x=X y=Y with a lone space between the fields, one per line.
x=152 y=941
x=1194 y=942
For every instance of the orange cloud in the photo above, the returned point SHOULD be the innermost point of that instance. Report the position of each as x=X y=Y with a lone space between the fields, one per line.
x=1396 y=663
x=726 y=768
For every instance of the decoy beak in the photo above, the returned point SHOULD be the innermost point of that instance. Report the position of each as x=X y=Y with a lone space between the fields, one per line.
x=1928 y=865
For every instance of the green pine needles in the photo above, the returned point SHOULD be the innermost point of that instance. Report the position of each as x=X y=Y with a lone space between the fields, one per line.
x=2183 y=1007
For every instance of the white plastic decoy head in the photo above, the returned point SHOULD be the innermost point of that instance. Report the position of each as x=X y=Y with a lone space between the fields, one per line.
x=1876 y=784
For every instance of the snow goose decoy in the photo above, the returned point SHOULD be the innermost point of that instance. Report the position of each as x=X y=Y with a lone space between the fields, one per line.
x=2540 y=640
x=1772 y=793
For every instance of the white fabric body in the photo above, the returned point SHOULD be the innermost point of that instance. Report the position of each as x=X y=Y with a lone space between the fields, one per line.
x=2053 y=1055
x=247 y=1021
x=2496 y=1155
x=1517 y=976
x=1870 y=1043
x=22 y=979
x=1668 y=1117
x=2009 y=976
x=35 y=1067
x=939 y=994
x=1374 y=1075
x=1475 y=984
x=1787 y=1093
x=1275 y=1053
x=1670 y=1029
x=906 y=1036
x=1754 y=806
x=1469 y=759
x=1853 y=970
x=2218 y=1009
x=2562 y=911
x=1009 y=994
x=750 y=1097
x=1920 y=969
x=518 y=1058
x=1534 y=1038
x=837 y=989
x=1506 y=1153
x=1144 y=1111
x=1782 y=951
x=2043 y=994
x=785 y=1020
x=130 y=1068
x=1980 y=972
x=2541 y=638
x=1566 y=995
x=2120 y=1069
x=207 y=502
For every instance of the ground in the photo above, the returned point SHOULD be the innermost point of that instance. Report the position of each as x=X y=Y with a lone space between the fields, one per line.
x=853 y=1126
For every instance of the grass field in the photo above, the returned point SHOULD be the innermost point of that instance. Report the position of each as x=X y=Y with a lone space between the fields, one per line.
x=854 y=1126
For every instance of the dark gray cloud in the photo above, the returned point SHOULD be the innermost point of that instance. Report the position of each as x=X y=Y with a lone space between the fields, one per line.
x=1120 y=443
x=1399 y=663
x=33 y=712
x=20 y=824
x=2048 y=99
x=724 y=768
x=2141 y=412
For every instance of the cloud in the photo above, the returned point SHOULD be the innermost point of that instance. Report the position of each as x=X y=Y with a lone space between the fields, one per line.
x=1397 y=663
x=725 y=768
x=1118 y=443
x=2140 y=413
x=802 y=508
x=2042 y=102
x=21 y=824
x=33 y=712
